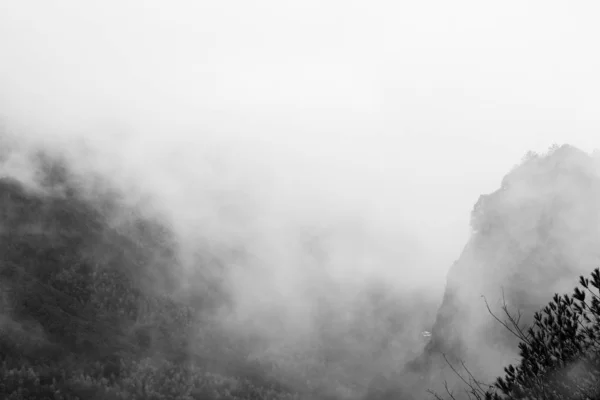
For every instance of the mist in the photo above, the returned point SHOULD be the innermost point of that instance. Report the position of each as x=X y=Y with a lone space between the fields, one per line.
x=252 y=128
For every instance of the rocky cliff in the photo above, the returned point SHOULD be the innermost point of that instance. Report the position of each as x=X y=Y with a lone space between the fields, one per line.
x=531 y=238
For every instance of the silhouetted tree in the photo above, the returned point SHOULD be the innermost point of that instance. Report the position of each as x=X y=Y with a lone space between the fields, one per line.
x=560 y=352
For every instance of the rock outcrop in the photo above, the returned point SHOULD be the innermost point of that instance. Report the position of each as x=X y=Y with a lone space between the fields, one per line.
x=531 y=238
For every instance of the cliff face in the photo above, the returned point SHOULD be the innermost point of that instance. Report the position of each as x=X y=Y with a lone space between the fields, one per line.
x=531 y=238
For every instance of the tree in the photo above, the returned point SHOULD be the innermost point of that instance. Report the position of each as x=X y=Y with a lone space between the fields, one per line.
x=560 y=352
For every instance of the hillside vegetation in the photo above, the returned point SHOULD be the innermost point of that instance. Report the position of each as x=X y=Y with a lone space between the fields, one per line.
x=98 y=302
x=89 y=307
x=92 y=304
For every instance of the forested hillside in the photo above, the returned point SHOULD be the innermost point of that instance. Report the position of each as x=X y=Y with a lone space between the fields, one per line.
x=96 y=300
x=89 y=305
x=99 y=302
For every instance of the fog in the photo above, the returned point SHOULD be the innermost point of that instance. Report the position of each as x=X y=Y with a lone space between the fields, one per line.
x=374 y=124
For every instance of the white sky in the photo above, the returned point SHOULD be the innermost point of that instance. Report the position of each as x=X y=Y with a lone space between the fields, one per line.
x=416 y=107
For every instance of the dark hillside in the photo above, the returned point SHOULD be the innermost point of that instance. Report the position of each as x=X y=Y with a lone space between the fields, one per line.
x=96 y=297
x=88 y=305
x=92 y=303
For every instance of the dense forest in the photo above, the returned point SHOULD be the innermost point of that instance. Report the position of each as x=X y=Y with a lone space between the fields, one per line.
x=97 y=303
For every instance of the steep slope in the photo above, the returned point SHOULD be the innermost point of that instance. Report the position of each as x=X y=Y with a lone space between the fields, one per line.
x=84 y=280
x=531 y=238
x=89 y=306
x=91 y=301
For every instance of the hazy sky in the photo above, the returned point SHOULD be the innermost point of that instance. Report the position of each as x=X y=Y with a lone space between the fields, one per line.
x=410 y=108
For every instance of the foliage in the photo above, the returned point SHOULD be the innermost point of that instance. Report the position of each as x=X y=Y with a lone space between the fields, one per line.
x=560 y=352
x=85 y=310
x=147 y=379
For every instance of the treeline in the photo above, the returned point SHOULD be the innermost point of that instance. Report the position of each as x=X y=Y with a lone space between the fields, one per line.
x=85 y=310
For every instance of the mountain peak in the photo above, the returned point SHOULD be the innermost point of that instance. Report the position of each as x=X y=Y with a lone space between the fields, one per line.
x=531 y=238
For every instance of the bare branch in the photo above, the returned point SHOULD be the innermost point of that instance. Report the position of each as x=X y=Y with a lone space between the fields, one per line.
x=473 y=388
x=517 y=332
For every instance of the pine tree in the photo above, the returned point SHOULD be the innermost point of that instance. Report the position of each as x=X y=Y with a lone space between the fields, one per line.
x=560 y=352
